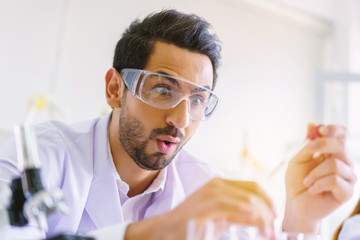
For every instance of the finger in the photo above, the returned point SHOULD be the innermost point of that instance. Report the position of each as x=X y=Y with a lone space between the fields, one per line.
x=330 y=166
x=255 y=198
x=237 y=201
x=260 y=217
x=341 y=189
x=254 y=212
x=241 y=190
x=329 y=131
x=316 y=150
x=252 y=187
x=310 y=127
x=314 y=132
x=336 y=131
x=329 y=146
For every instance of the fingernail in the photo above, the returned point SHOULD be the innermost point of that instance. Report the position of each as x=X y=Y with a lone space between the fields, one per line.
x=306 y=181
x=323 y=131
x=312 y=190
x=316 y=155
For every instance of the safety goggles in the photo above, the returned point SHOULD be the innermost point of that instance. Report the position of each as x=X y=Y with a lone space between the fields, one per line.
x=165 y=92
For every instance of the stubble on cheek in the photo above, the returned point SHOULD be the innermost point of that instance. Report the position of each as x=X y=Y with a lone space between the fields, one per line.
x=135 y=143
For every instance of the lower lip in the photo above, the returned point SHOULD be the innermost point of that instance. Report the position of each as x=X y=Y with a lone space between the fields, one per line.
x=165 y=148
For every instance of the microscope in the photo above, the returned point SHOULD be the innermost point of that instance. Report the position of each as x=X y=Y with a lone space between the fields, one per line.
x=26 y=200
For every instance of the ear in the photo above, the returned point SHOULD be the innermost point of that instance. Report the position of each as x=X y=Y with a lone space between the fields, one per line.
x=114 y=88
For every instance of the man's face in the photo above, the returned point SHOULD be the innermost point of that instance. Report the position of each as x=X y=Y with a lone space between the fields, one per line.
x=152 y=136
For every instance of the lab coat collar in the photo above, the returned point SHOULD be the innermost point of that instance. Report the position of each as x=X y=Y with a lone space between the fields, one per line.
x=170 y=195
x=159 y=182
x=157 y=185
x=103 y=204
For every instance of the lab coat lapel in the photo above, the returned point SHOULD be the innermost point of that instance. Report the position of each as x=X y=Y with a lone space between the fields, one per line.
x=172 y=195
x=103 y=204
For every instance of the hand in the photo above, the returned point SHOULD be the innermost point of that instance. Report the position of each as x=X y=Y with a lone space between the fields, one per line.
x=317 y=184
x=219 y=200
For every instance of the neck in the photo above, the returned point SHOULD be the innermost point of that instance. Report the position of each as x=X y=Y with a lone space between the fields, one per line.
x=136 y=177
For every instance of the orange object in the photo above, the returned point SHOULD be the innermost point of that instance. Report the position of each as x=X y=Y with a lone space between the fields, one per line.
x=315 y=132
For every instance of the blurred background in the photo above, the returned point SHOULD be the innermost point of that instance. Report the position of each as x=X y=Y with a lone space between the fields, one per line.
x=285 y=63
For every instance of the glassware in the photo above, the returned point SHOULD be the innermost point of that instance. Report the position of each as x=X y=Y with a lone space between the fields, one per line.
x=299 y=236
x=220 y=230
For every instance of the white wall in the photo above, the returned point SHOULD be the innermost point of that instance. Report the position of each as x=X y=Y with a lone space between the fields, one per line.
x=266 y=81
x=325 y=9
x=28 y=39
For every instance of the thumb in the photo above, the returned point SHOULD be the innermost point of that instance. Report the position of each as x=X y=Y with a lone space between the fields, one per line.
x=310 y=127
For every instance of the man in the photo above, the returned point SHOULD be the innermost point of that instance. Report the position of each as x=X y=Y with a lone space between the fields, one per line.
x=127 y=170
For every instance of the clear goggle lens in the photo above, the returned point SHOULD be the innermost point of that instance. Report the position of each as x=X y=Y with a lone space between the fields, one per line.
x=166 y=92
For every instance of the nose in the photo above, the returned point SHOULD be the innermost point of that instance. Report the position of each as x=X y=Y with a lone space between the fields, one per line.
x=179 y=116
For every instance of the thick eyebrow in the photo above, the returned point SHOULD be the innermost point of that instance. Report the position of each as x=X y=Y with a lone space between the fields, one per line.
x=173 y=80
x=200 y=89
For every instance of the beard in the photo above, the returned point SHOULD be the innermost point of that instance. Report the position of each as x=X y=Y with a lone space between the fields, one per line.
x=134 y=142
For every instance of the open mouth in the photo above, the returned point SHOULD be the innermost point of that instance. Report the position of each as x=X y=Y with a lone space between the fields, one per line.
x=165 y=146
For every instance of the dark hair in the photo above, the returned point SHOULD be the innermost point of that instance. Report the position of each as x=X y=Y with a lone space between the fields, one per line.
x=170 y=26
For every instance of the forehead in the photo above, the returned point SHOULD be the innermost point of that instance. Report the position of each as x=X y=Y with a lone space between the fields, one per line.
x=175 y=61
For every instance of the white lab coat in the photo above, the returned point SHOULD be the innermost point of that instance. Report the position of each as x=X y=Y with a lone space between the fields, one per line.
x=75 y=158
x=350 y=229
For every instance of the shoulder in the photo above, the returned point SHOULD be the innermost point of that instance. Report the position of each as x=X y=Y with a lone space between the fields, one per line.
x=66 y=150
x=65 y=131
x=62 y=148
x=68 y=135
x=59 y=140
x=350 y=229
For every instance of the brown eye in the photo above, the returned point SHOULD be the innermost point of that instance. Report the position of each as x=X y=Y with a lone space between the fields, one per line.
x=161 y=91
x=197 y=100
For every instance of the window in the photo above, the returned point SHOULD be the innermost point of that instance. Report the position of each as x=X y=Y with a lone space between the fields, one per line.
x=338 y=102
